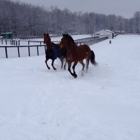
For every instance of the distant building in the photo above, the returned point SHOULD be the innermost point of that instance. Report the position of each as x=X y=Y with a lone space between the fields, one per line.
x=7 y=35
x=105 y=33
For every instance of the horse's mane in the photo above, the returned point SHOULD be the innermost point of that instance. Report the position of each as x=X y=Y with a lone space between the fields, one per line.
x=69 y=37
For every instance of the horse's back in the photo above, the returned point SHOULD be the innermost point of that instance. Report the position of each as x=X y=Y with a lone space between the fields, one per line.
x=84 y=49
x=85 y=46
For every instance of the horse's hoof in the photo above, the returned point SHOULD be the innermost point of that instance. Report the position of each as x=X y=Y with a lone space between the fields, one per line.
x=75 y=76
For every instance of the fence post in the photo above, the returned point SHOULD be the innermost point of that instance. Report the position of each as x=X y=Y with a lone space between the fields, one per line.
x=18 y=51
x=1 y=41
x=6 y=41
x=37 y=51
x=29 y=50
x=6 y=53
x=13 y=42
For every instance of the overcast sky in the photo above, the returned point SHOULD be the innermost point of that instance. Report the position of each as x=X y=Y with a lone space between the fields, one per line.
x=125 y=8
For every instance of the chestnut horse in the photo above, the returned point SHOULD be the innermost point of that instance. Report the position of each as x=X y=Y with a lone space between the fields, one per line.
x=77 y=54
x=53 y=51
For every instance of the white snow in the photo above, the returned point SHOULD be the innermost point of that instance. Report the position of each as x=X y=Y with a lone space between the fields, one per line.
x=104 y=104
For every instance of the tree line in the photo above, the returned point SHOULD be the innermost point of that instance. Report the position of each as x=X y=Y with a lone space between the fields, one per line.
x=27 y=20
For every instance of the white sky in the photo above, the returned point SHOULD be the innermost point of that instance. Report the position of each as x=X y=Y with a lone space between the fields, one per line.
x=125 y=8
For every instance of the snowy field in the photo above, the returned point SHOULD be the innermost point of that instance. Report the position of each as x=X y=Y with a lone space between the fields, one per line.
x=104 y=104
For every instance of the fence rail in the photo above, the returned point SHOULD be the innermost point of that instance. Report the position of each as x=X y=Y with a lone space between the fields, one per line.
x=18 y=49
x=88 y=41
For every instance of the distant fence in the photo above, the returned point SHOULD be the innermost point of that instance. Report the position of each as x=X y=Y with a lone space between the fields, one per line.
x=12 y=41
x=88 y=41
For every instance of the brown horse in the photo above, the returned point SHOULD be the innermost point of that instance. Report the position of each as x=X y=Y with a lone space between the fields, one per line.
x=53 y=51
x=77 y=54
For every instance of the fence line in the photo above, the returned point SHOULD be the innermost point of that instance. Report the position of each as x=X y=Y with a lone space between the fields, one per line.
x=18 y=49
x=88 y=41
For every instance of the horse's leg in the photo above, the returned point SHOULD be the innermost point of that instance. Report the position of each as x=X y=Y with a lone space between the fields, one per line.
x=61 y=59
x=87 y=62
x=82 y=63
x=74 y=73
x=53 y=64
x=65 y=63
x=69 y=69
x=47 y=64
x=62 y=62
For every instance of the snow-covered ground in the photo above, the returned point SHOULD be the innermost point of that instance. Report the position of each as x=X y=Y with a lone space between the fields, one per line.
x=104 y=104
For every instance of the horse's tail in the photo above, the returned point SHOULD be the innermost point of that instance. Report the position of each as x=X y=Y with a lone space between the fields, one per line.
x=93 y=58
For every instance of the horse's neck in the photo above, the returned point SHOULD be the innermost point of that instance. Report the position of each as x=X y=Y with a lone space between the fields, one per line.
x=72 y=47
x=49 y=45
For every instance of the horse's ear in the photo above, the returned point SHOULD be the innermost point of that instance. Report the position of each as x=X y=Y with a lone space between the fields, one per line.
x=64 y=34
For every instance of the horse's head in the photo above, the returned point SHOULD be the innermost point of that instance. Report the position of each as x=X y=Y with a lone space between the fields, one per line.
x=46 y=38
x=66 y=40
